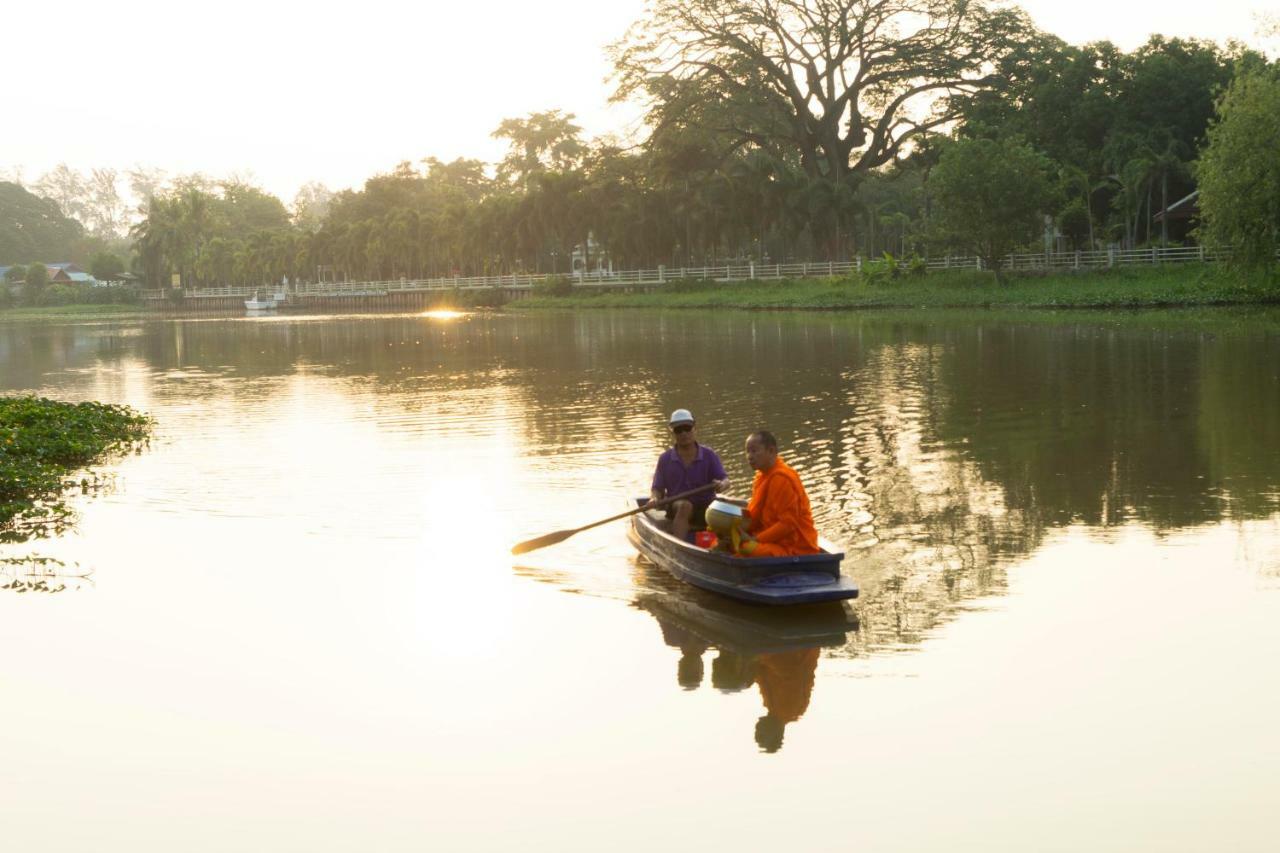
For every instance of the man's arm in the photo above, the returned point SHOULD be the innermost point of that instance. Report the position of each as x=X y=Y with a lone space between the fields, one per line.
x=656 y=489
x=718 y=475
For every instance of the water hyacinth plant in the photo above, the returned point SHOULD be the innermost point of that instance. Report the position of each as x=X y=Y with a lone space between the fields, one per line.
x=42 y=444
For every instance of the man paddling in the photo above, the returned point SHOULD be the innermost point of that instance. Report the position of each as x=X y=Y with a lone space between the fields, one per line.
x=686 y=466
x=779 y=521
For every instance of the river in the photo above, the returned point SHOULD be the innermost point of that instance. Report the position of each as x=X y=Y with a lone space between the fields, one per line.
x=293 y=622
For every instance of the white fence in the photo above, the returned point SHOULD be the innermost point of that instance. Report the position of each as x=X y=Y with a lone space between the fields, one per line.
x=725 y=273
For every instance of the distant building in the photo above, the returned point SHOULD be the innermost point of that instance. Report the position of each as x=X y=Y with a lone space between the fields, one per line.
x=1182 y=216
x=71 y=273
x=599 y=259
x=120 y=279
x=61 y=273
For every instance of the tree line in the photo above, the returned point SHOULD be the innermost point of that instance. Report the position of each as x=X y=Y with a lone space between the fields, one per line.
x=786 y=130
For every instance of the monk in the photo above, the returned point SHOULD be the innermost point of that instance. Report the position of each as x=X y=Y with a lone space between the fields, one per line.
x=779 y=521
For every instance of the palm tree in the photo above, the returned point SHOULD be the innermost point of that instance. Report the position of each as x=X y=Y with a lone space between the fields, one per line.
x=1166 y=160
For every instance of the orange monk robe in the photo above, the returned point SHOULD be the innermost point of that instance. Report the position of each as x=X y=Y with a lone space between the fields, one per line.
x=780 y=518
x=785 y=680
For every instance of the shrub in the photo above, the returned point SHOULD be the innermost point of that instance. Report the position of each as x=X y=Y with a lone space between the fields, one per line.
x=685 y=285
x=882 y=271
x=83 y=294
x=56 y=294
x=484 y=299
x=554 y=285
x=106 y=266
x=116 y=294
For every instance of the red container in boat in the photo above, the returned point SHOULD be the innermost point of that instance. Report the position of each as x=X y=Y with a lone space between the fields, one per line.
x=704 y=539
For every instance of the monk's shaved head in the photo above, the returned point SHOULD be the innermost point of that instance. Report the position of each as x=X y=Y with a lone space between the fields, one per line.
x=762 y=450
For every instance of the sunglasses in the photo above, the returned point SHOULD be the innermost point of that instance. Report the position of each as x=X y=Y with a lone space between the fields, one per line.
x=681 y=428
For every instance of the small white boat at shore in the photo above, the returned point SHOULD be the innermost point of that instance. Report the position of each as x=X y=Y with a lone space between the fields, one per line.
x=257 y=303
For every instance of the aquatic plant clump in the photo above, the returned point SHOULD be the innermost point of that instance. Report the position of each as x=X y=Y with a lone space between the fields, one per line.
x=42 y=443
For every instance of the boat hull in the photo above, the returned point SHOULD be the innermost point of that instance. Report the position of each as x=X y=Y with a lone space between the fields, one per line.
x=807 y=579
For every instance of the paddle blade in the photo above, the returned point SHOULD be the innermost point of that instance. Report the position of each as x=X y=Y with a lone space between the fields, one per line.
x=541 y=542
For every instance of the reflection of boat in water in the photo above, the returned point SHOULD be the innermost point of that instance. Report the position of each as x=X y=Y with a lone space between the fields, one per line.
x=751 y=630
x=775 y=650
x=805 y=579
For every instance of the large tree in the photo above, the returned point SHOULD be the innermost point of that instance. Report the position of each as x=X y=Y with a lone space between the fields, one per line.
x=244 y=210
x=546 y=141
x=34 y=228
x=311 y=205
x=845 y=83
x=106 y=266
x=991 y=196
x=1239 y=171
x=1121 y=125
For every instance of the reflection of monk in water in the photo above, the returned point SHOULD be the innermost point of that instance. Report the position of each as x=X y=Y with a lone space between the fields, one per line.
x=785 y=680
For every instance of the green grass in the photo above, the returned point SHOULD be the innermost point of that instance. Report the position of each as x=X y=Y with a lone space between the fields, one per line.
x=1185 y=285
x=42 y=443
x=72 y=312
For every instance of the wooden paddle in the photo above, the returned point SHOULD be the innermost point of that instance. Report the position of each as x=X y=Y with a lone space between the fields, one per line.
x=561 y=535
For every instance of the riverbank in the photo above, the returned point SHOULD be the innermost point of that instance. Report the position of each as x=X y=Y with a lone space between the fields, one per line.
x=1153 y=287
x=75 y=312
x=1173 y=286
x=44 y=442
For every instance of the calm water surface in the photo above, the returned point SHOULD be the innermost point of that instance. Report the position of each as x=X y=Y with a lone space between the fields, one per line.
x=293 y=623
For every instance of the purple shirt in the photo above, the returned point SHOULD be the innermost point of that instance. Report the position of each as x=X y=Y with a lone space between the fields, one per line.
x=673 y=477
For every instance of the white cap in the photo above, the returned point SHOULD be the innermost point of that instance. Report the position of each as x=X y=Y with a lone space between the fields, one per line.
x=681 y=416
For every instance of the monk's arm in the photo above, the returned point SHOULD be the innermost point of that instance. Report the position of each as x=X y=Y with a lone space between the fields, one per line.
x=785 y=503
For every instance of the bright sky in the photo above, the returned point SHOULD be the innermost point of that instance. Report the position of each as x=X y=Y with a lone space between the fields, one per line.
x=291 y=92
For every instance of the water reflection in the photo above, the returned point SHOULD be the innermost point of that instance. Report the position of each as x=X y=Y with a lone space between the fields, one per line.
x=303 y=600
x=36 y=574
x=775 y=650
x=936 y=448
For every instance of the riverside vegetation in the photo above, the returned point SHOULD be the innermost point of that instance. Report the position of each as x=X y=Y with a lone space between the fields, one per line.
x=43 y=443
x=886 y=285
x=777 y=132
x=66 y=301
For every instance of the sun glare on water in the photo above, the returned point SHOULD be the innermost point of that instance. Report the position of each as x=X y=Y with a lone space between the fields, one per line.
x=443 y=314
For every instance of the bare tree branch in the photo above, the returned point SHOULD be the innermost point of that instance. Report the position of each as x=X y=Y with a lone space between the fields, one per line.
x=846 y=82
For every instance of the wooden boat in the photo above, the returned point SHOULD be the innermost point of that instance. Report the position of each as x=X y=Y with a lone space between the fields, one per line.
x=805 y=579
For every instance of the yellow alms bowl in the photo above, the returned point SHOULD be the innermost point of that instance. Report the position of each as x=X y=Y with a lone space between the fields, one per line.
x=723 y=517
